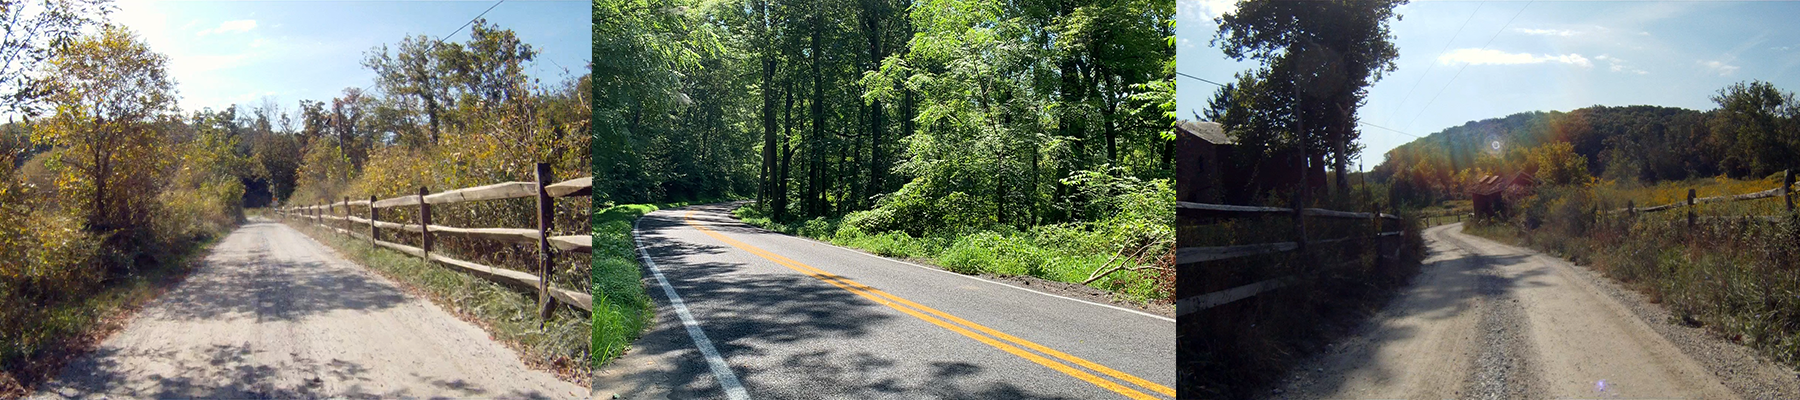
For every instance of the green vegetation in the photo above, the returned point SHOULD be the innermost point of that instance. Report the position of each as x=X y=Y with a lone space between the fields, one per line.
x=1066 y=252
x=621 y=308
x=919 y=127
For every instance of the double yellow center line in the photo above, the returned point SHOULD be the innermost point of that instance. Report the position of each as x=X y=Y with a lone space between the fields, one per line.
x=998 y=340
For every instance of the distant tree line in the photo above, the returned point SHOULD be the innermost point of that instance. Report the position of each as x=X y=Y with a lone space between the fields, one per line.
x=1754 y=132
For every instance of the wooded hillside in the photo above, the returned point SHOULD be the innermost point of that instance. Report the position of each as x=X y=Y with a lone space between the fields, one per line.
x=1754 y=132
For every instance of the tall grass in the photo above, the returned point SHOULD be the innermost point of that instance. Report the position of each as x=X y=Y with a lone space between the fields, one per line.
x=621 y=308
x=1736 y=276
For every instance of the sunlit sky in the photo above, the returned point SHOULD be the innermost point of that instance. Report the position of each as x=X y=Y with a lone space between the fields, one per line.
x=1551 y=56
x=231 y=52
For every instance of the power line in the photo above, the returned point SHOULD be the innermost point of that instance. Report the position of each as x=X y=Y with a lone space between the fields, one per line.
x=1429 y=66
x=440 y=39
x=1183 y=74
x=1358 y=122
x=471 y=21
x=1459 y=71
x=1387 y=128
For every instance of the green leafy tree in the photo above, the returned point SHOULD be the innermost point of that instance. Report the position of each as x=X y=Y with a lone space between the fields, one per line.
x=110 y=91
x=1329 y=52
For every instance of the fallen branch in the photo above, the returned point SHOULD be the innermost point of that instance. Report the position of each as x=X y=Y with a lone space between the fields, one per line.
x=1124 y=265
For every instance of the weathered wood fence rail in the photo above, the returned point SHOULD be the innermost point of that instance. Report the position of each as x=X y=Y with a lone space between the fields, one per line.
x=337 y=217
x=1192 y=255
x=1785 y=192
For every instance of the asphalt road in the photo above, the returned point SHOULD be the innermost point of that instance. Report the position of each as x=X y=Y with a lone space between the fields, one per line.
x=275 y=314
x=1488 y=320
x=789 y=317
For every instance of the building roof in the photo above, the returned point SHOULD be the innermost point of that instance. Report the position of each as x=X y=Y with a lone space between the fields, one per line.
x=1494 y=184
x=1211 y=132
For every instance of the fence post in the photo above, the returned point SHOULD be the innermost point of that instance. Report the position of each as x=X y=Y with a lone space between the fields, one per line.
x=1300 y=220
x=424 y=224
x=1630 y=208
x=1690 y=207
x=545 y=206
x=1787 y=188
x=374 y=233
x=1376 y=220
x=346 y=221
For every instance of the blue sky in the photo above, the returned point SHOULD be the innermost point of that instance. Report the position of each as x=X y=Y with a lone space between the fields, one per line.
x=230 y=52
x=1552 y=56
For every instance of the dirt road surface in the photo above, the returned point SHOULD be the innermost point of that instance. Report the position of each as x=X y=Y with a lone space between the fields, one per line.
x=1486 y=320
x=274 y=314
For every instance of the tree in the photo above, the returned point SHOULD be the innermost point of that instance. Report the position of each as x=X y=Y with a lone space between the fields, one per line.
x=109 y=90
x=1557 y=163
x=1758 y=120
x=1330 y=51
x=34 y=30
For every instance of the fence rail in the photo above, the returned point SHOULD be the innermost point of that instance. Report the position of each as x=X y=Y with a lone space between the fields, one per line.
x=1193 y=255
x=1785 y=192
x=549 y=246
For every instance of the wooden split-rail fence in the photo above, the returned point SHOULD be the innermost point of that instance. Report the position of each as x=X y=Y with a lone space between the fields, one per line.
x=337 y=218
x=1785 y=192
x=1387 y=246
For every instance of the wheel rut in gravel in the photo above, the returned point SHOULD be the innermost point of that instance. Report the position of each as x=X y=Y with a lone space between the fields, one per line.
x=1491 y=321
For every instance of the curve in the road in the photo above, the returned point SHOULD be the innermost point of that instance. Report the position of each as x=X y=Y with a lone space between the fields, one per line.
x=914 y=309
x=793 y=317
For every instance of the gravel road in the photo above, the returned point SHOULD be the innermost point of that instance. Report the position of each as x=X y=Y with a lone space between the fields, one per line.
x=275 y=314
x=1487 y=320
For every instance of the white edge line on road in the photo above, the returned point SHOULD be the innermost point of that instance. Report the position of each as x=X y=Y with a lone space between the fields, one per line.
x=979 y=279
x=727 y=380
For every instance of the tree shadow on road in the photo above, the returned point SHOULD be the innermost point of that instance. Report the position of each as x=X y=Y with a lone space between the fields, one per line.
x=750 y=314
x=243 y=278
x=241 y=372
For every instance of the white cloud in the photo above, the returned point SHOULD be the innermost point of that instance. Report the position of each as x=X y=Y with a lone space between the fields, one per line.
x=1546 y=32
x=1615 y=64
x=1206 y=9
x=237 y=26
x=1719 y=66
x=1497 y=57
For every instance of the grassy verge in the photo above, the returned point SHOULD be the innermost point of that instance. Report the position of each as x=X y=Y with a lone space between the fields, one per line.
x=1063 y=253
x=1739 y=278
x=53 y=334
x=622 y=310
x=510 y=316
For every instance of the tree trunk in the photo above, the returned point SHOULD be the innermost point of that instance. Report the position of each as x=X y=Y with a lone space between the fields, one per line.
x=815 y=190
